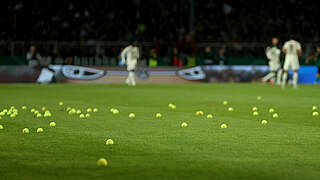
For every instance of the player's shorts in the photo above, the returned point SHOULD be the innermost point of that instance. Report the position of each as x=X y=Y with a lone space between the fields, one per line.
x=291 y=63
x=131 y=66
x=274 y=66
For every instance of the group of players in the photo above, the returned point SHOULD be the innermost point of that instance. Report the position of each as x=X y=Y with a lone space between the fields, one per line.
x=292 y=51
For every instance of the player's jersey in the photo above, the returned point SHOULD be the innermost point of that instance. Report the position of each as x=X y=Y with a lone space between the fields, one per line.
x=292 y=48
x=130 y=54
x=273 y=54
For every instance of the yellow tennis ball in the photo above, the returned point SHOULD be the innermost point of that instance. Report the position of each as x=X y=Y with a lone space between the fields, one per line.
x=60 y=103
x=116 y=111
x=89 y=110
x=25 y=131
x=184 y=124
x=24 y=107
x=43 y=108
x=132 y=115
x=81 y=116
x=314 y=108
x=1 y=127
x=264 y=122
x=209 y=116
x=275 y=115
x=88 y=115
x=95 y=109
x=52 y=124
x=158 y=115
x=271 y=110
x=230 y=109
x=315 y=114
x=109 y=142
x=259 y=97
x=173 y=107
x=225 y=102
x=78 y=111
x=255 y=113
x=224 y=126
x=39 y=130
x=102 y=162
x=254 y=109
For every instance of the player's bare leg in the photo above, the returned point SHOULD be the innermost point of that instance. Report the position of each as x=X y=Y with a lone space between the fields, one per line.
x=284 y=78
x=295 y=78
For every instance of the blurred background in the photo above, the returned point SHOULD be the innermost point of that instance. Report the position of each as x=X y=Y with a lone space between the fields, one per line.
x=171 y=33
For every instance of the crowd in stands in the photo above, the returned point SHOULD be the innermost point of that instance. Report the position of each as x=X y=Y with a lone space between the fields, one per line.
x=178 y=24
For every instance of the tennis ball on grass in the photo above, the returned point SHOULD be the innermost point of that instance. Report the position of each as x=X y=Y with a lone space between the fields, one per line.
x=184 y=124
x=224 y=126
x=1 y=126
x=102 y=162
x=89 y=110
x=95 y=109
x=24 y=107
x=264 y=122
x=158 y=115
x=209 y=116
x=39 y=130
x=109 y=142
x=254 y=109
x=255 y=113
x=52 y=124
x=88 y=115
x=271 y=110
x=315 y=114
x=314 y=107
x=115 y=111
x=25 y=131
x=275 y=115
x=81 y=116
x=60 y=103
x=199 y=113
x=225 y=102
x=230 y=109
x=132 y=115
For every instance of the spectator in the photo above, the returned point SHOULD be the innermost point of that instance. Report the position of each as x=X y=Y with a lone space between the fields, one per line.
x=33 y=57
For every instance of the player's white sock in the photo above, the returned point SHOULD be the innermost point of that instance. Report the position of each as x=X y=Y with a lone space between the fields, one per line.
x=131 y=78
x=268 y=76
x=284 y=79
x=295 y=79
x=279 y=75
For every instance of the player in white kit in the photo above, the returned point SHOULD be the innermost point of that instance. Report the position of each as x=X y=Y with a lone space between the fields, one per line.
x=292 y=50
x=130 y=56
x=273 y=55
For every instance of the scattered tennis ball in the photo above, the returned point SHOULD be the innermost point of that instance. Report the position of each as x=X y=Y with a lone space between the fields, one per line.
x=184 y=124
x=224 y=126
x=254 y=109
x=32 y=110
x=199 y=113
x=24 y=107
x=112 y=109
x=43 y=108
x=275 y=115
x=68 y=108
x=271 y=110
x=2 y=113
x=173 y=107
x=132 y=115
x=78 y=111
x=170 y=105
x=109 y=142
x=1 y=127
x=209 y=116
x=39 y=115
x=47 y=114
x=158 y=115
x=255 y=113
x=12 y=115
x=116 y=111
x=88 y=115
x=225 y=102
x=264 y=122
x=102 y=162
x=314 y=107
x=315 y=114
x=39 y=130
x=36 y=112
x=25 y=131
x=259 y=97
x=5 y=110
x=52 y=124
x=12 y=107
x=89 y=110
x=95 y=109
x=230 y=109
x=71 y=112
x=60 y=103
x=81 y=116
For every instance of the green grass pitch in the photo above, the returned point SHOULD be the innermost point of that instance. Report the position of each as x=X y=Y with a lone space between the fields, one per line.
x=147 y=147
